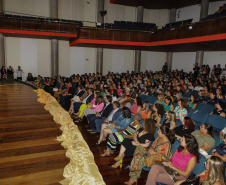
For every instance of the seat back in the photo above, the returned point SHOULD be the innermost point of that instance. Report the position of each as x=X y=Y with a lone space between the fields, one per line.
x=206 y=108
x=200 y=167
x=199 y=117
x=218 y=122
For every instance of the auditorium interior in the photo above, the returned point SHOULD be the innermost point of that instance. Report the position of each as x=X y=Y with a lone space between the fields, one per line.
x=110 y=92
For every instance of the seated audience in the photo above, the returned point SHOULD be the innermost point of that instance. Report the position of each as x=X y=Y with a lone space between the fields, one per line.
x=220 y=106
x=183 y=162
x=160 y=150
x=146 y=111
x=117 y=137
x=193 y=101
x=142 y=137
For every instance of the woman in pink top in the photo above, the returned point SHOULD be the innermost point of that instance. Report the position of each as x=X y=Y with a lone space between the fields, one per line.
x=137 y=106
x=97 y=106
x=183 y=162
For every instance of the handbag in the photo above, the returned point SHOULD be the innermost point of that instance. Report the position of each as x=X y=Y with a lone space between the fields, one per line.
x=150 y=160
x=192 y=180
x=172 y=173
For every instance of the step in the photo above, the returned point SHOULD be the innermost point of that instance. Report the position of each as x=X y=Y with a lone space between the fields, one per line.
x=29 y=134
x=32 y=165
x=47 y=177
x=29 y=147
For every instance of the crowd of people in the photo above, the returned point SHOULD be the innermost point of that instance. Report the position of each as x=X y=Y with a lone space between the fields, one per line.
x=114 y=109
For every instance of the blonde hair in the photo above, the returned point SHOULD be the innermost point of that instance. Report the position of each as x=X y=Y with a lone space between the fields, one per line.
x=172 y=116
x=216 y=171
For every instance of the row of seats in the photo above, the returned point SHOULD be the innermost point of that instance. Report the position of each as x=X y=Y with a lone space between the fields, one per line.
x=128 y=25
x=51 y=20
x=177 y=24
x=215 y=16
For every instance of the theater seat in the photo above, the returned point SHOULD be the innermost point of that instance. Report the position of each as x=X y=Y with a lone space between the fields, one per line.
x=218 y=122
x=199 y=117
x=206 y=108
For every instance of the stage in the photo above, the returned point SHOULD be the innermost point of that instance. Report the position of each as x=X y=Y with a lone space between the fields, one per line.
x=30 y=153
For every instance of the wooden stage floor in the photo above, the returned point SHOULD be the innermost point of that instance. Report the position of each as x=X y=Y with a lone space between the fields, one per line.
x=29 y=153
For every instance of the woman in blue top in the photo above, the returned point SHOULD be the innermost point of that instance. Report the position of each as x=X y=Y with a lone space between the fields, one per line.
x=121 y=123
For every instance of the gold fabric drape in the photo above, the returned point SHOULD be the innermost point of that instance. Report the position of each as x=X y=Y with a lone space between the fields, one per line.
x=82 y=169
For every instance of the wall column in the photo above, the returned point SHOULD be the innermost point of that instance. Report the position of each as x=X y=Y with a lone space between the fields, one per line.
x=203 y=14
x=2 y=43
x=137 y=64
x=54 y=42
x=100 y=19
x=169 y=57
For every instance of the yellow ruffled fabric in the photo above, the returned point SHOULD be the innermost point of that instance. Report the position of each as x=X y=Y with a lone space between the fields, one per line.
x=82 y=170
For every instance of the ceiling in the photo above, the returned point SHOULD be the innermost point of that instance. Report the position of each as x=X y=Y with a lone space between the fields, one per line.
x=158 y=4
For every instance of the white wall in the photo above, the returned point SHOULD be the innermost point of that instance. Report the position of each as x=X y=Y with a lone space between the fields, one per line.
x=119 y=13
x=30 y=7
x=33 y=55
x=184 y=60
x=118 y=60
x=152 y=60
x=159 y=17
x=76 y=60
x=214 y=58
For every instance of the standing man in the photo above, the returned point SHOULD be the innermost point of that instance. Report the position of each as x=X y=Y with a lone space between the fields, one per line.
x=165 y=68
x=19 y=73
x=196 y=70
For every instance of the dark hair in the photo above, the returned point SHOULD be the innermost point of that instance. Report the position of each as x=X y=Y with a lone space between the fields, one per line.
x=92 y=90
x=139 y=101
x=222 y=104
x=192 y=146
x=109 y=98
x=117 y=104
x=209 y=128
x=168 y=98
x=170 y=134
x=115 y=93
x=196 y=96
x=126 y=112
x=149 y=125
x=184 y=103
x=80 y=86
x=189 y=124
x=99 y=99
x=160 y=109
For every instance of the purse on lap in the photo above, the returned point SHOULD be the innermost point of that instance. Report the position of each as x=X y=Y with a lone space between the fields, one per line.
x=150 y=160
x=192 y=180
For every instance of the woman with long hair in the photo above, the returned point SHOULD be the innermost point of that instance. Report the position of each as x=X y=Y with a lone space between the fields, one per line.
x=193 y=101
x=183 y=162
x=170 y=120
x=214 y=173
x=137 y=106
x=220 y=106
x=181 y=109
x=159 y=111
x=168 y=106
x=142 y=137
x=162 y=146
x=146 y=111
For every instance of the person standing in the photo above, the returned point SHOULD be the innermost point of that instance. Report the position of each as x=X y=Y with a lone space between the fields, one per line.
x=3 y=72
x=196 y=70
x=165 y=68
x=10 y=72
x=19 y=73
